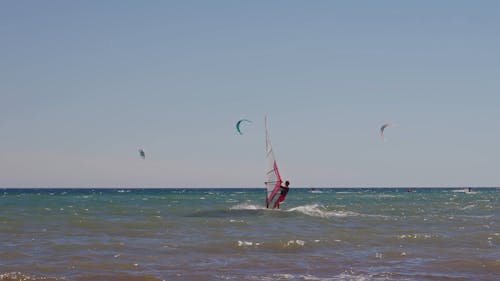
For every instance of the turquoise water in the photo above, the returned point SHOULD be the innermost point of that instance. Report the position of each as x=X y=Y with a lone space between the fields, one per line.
x=227 y=234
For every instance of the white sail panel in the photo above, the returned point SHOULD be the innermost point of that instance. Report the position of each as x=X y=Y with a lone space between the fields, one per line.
x=273 y=178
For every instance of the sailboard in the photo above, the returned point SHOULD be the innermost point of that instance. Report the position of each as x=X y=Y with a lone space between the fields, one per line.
x=273 y=178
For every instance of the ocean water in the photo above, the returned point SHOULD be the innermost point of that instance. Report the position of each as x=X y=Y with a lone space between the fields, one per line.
x=228 y=234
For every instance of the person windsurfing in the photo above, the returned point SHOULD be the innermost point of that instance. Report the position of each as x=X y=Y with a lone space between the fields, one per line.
x=284 y=192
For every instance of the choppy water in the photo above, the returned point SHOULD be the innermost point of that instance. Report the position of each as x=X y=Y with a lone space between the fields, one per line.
x=227 y=234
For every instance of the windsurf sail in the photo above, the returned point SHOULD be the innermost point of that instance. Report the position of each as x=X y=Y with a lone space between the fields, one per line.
x=273 y=178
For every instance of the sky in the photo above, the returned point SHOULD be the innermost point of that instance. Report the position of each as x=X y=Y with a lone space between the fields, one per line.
x=84 y=84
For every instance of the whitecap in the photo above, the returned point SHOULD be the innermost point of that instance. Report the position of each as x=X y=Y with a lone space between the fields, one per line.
x=281 y=276
x=342 y=276
x=386 y=196
x=423 y=236
x=295 y=242
x=317 y=210
x=248 y=206
x=245 y=243
x=466 y=191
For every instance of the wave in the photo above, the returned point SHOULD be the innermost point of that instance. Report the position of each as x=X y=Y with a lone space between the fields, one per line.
x=244 y=209
x=419 y=237
x=292 y=243
x=248 y=206
x=249 y=209
x=468 y=207
x=313 y=210
x=316 y=210
x=386 y=196
x=464 y=191
x=236 y=246
x=338 y=277
x=18 y=276
x=247 y=243
x=276 y=245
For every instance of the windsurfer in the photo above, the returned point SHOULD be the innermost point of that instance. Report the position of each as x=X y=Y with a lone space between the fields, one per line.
x=284 y=192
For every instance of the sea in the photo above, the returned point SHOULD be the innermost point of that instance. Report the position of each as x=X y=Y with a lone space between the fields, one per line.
x=229 y=234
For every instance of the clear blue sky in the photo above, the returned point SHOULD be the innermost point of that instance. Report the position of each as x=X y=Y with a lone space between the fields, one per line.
x=85 y=83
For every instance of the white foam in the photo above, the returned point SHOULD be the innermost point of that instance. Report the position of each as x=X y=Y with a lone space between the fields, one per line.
x=417 y=236
x=386 y=196
x=244 y=243
x=468 y=207
x=273 y=277
x=466 y=191
x=342 y=276
x=281 y=276
x=295 y=242
x=248 y=206
x=317 y=210
x=247 y=243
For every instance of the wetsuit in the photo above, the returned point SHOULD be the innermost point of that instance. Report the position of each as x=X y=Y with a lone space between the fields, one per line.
x=284 y=192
